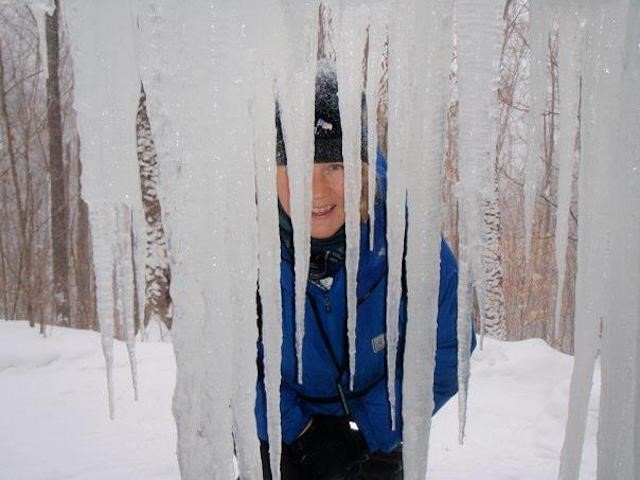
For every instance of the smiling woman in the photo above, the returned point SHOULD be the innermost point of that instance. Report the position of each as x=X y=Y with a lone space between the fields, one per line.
x=335 y=427
x=327 y=213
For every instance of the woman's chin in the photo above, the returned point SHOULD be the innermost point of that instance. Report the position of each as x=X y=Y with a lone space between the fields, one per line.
x=322 y=232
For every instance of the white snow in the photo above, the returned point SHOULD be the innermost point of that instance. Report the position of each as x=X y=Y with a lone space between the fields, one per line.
x=55 y=423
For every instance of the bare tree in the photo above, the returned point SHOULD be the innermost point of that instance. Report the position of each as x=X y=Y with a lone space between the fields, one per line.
x=59 y=205
x=24 y=255
x=36 y=121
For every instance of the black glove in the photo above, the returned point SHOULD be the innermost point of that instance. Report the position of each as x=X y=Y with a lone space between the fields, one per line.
x=383 y=466
x=330 y=449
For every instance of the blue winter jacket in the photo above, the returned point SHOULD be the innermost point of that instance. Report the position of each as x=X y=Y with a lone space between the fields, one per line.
x=325 y=315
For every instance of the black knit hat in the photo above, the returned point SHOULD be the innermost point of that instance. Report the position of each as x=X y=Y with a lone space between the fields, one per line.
x=328 y=129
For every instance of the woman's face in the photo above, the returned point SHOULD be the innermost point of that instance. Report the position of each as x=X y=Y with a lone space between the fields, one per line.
x=327 y=213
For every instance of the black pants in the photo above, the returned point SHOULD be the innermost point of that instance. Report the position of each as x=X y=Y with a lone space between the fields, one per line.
x=378 y=466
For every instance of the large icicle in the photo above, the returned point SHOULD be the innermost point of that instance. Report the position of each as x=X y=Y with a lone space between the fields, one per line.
x=241 y=233
x=479 y=31
x=569 y=87
x=608 y=282
x=589 y=312
x=184 y=93
x=376 y=39
x=296 y=88
x=101 y=217
x=619 y=417
x=430 y=49
x=351 y=37
x=262 y=111
x=398 y=140
x=105 y=97
x=539 y=29
x=125 y=286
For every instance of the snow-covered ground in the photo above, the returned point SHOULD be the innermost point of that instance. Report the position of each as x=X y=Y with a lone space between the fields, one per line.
x=54 y=420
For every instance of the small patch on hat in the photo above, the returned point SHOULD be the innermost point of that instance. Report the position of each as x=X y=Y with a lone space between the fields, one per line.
x=323 y=127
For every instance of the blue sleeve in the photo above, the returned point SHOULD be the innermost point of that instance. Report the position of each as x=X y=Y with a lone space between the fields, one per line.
x=445 y=381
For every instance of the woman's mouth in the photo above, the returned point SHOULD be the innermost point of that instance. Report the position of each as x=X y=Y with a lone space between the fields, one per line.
x=322 y=211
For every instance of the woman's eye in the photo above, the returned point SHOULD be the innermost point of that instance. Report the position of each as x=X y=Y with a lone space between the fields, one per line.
x=336 y=166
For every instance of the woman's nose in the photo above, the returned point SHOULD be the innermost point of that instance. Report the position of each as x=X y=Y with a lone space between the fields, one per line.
x=320 y=185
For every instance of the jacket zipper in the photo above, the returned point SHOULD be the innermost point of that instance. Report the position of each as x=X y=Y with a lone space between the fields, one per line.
x=327 y=303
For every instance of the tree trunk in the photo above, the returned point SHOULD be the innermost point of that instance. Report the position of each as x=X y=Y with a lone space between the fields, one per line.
x=3 y=279
x=21 y=209
x=85 y=280
x=59 y=207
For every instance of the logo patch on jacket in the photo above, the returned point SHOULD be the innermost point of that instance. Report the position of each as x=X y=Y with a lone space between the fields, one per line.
x=378 y=343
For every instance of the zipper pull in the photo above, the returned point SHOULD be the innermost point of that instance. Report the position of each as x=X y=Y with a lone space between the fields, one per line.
x=343 y=399
x=327 y=304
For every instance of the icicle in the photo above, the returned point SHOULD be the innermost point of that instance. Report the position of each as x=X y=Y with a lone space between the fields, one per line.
x=240 y=25
x=105 y=99
x=569 y=87
x=263 y=108
x=608 y=250
x=266 y=58
x=102 y=225
x=186 y=94
x=479 y=29
x=39 y=9
x=296 y=88
x=589 y=302
x=124 y=279
x=619 y=417
x=465 y=293
x=539 y=20
x=351 y=37
x=377 y=35
x=430 y=30
x=399 y=102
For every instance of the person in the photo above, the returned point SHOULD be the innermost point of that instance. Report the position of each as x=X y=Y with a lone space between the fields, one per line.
x=330 y=431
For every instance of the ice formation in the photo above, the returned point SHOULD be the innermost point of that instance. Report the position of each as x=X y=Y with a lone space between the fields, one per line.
x=399 y=62
x=213 y=79
x=430 y=24
x=350 y=45
x=106 y=84
x=607 y=301
x=539 y=30
x=124 y=282
x=376 y=36
x=296 y=93
x=570 y=36
x=478 y=27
